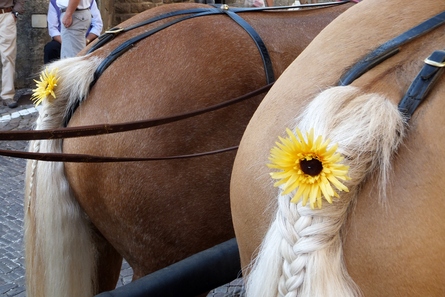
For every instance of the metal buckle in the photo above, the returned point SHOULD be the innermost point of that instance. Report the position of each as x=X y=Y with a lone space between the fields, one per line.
x=114 y=30
x=434 y=63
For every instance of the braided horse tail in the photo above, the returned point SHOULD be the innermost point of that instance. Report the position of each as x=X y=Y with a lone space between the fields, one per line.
x=59 y=254
x=302 y=253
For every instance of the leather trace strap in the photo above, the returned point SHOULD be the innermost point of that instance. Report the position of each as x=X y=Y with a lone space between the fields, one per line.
x=82 y=131
x=82 y=158
x=390 y=48
x=422 y=84
x=109 y=129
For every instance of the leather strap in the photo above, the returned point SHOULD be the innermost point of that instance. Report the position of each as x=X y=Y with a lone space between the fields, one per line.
x=82 y=158
x=422 y=84
x=129 y=43
x=82 y=131
x=390 y=48
x=187 y=14
x=267 y=62
x=117 y=52
x=109 y=129
x=192 y=13
x=113 y=32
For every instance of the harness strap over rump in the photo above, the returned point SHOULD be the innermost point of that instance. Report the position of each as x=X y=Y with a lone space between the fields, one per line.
x=113 y=32
x=390 y=48
x=192 y=13
x=189 y=14
x=422 y=84
x=258 y=41
x=424 y=81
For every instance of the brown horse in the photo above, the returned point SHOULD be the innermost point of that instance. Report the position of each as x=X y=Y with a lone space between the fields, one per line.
x=386 y=236
x=82 y=218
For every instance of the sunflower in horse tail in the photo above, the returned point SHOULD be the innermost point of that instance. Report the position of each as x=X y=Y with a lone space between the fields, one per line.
x=324 y=157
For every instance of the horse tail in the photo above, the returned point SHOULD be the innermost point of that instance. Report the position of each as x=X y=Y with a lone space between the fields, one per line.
x=59 y=251
x=302 y=252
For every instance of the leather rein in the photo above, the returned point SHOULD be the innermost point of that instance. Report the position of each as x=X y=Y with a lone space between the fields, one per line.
x=74 y=132
x=83 y=131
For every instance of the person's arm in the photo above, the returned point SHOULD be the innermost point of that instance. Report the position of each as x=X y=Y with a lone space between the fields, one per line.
x=53 y=23
x=58 y=38
x=96 y=23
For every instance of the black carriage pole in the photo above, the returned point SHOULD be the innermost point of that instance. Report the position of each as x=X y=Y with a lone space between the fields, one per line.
x=190 y=277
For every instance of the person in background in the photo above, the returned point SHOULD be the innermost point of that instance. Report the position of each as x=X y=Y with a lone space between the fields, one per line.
x=9 y=12
x=75 y=20
x=51 y=51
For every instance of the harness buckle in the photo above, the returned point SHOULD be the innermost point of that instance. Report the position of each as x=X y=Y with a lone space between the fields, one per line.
x=434 y=63
x=114 y=30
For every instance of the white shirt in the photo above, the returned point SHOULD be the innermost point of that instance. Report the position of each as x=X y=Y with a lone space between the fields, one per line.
x=54 y=22
x=82 y=4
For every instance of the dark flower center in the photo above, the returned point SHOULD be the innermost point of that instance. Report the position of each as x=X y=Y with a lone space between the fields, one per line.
x=311 y=167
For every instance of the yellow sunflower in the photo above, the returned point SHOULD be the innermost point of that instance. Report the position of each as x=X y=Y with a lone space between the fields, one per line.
x=45 y=87
x=309 y=166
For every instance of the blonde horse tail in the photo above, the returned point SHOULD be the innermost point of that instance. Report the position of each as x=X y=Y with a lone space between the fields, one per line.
x=59 y=252
x=302 y=253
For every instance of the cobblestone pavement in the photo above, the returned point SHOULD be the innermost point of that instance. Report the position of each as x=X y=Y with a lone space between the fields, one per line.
x=12 y=175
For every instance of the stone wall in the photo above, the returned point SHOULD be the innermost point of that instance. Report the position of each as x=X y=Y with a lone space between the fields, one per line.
x=31 y=38
x=33 y=33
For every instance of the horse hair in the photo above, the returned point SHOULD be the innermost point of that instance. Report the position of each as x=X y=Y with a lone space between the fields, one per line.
x=302 y=253
x=55 y=225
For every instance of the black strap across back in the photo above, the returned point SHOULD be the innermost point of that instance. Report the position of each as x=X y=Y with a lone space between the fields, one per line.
x=424 y=81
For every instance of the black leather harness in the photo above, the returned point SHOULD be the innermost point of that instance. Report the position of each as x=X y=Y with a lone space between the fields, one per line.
x=422 y=84
x=187 y=14
x=424 y=81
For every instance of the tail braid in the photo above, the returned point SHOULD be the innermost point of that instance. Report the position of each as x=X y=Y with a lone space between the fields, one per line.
x=290 y=225
x=309 y=260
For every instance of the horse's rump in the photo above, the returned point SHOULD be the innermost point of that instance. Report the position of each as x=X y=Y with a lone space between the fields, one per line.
x=392 y=245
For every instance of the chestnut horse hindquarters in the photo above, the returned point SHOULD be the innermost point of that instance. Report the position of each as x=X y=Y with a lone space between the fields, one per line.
x=386 y=242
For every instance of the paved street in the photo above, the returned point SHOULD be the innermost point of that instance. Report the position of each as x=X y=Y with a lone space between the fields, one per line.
x=12 y=177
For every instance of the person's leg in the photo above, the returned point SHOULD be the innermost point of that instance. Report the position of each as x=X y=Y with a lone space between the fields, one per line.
x=73 y=38
x=8 y=51
x=51 y=51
